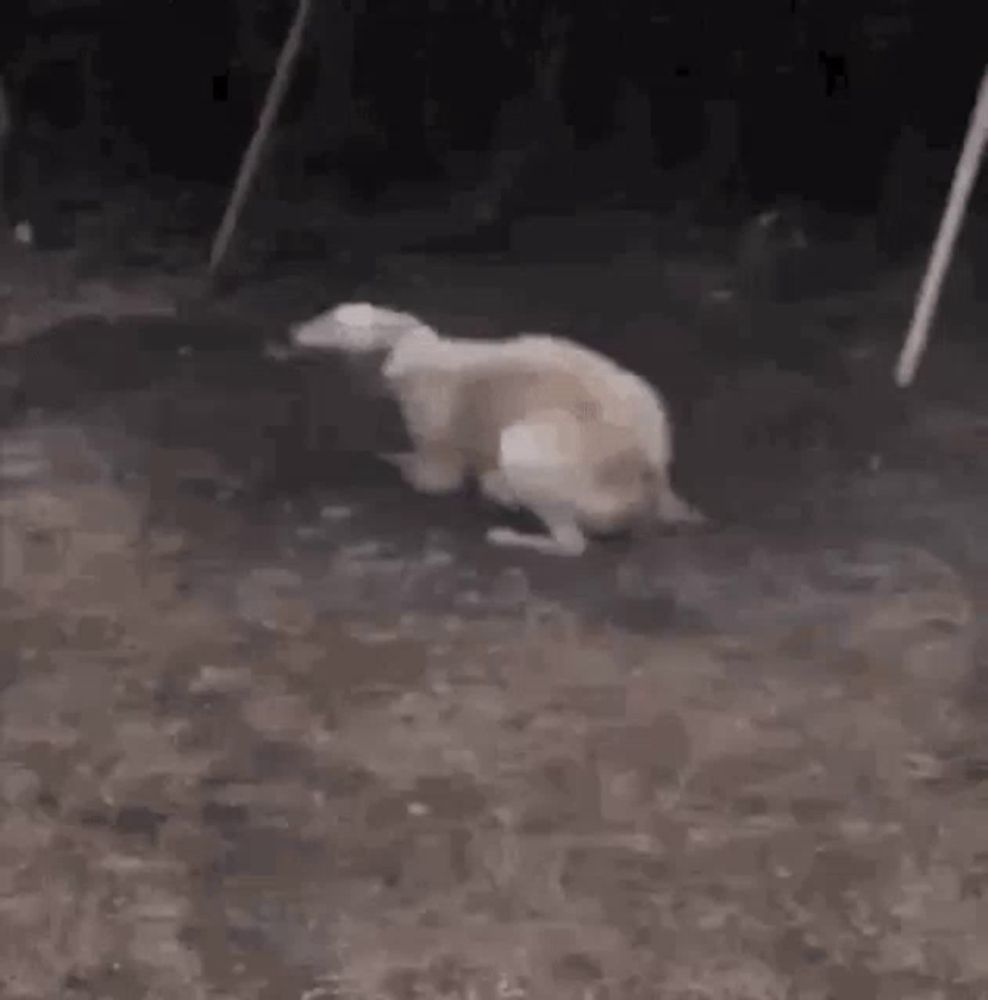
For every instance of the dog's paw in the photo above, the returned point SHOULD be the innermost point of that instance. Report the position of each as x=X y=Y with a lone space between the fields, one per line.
x=692 y=517
x=397 y=459
x=674 y=511
x=503 y=537
x=494 y=486
x=564 y=543
x=425 y=474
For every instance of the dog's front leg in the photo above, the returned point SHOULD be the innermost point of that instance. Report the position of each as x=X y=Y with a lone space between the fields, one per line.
x=672 y=509
x=428 y=472
x=495 y=487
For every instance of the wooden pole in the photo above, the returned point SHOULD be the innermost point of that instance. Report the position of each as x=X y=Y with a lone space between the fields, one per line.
x=6 y=127
x=943 y=247
x=265 y=121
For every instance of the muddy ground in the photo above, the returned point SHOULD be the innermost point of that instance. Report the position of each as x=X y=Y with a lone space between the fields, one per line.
x=272 y=727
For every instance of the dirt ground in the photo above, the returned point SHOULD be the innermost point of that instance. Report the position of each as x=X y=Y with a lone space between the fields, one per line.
x=271 y=727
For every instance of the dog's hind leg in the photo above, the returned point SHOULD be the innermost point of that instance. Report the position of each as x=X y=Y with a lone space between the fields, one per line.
x=539 y=469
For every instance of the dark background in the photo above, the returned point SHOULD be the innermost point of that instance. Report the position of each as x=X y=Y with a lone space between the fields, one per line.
x=844 y=103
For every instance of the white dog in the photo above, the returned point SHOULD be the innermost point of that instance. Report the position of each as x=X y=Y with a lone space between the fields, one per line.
x=539 y=421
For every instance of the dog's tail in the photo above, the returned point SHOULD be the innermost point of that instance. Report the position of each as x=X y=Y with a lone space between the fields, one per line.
x=357 y=328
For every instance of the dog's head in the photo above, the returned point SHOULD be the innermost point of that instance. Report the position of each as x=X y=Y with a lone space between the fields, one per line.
x=355 y=328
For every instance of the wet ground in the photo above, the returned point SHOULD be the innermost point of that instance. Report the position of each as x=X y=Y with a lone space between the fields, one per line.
x=272 y=727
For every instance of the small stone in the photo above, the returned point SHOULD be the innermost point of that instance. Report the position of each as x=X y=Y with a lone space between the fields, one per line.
x=18 y=785
x=167 y=543
x=363 y=550
x=220 y=679
x=512 y=587
x=336 y=512
x=436 y=559
x=275 y=577
x=24 y=234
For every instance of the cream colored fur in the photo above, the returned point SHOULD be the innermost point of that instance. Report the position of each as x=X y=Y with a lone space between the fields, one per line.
x=538 y=421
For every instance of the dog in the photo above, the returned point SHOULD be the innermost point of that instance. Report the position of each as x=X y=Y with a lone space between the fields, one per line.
x=539 y=422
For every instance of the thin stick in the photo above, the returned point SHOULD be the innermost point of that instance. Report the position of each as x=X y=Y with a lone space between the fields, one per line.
x=943 y=247
x=6 y=127
x=265 y=121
